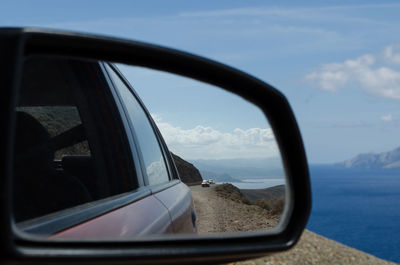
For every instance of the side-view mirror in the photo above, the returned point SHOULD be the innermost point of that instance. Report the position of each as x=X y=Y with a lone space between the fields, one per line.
x=122 y=151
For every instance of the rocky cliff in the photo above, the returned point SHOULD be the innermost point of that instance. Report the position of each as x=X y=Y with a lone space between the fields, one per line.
x=188 y=173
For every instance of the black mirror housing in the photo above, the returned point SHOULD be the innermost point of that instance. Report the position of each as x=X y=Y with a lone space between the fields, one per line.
x=19 y=43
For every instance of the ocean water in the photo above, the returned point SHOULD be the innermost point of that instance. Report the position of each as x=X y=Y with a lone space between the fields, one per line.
x=258 y=183
x=359 y=208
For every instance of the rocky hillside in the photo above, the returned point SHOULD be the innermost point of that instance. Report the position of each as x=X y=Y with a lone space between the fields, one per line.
x=315 y=249
x=385 y=160
x=271 y=199
x=217 y=214
x=228 y=191
x=271 y=193
x=188 y=173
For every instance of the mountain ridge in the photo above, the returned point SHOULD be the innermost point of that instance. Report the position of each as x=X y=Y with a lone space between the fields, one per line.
x=241 y=167
x=383 y=160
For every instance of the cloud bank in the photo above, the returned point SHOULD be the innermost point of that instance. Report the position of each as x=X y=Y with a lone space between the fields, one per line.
x=202 y=142
x=374 y=74
x=387 y=118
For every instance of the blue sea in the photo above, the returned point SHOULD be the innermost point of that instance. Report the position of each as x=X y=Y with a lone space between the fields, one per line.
x=259 y=183
x=359 y=208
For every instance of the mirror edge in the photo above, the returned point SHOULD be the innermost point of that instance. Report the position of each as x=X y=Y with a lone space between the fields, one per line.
x=269 y=100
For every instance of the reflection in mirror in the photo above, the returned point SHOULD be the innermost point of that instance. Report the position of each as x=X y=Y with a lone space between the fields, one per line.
x=223 y=147
x=90 y=161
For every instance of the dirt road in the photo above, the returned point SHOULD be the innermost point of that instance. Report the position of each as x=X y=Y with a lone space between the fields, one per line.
x=216 y=214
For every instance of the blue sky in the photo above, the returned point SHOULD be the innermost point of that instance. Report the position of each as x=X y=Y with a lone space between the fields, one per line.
x=200 y=121
x=337 y=62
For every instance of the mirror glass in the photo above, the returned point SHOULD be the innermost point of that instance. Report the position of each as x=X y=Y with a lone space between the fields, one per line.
x=92 y=145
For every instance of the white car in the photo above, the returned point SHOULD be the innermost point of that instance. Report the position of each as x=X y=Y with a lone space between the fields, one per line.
x=205 y=183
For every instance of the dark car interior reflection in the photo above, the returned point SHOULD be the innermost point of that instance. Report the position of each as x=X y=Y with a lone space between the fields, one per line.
x=70 y=123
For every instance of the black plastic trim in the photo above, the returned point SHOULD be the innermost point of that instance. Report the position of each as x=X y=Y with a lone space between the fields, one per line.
x=174 y=249
x=130 y=127
x=137 y=160
x=156 y=132
x=11 y=58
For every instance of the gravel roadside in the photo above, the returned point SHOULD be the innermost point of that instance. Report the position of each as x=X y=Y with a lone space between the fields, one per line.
x=215 y=214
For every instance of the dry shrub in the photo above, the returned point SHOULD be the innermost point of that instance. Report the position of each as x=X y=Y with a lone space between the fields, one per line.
x=229 y=191
x=278 y=205
x=273 y=206
x=264 y=203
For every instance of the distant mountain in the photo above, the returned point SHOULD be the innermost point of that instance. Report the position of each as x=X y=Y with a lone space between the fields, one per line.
x=242 y=168
x=218 y=177
x=385 y=160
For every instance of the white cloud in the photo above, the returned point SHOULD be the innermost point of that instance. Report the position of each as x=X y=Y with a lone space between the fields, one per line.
x=202 y=142
x=366 y=72
x=156 y=172
x=351 y=124
x=310 y=14
x=329 y=80
x=391 y=54
x=387 y=118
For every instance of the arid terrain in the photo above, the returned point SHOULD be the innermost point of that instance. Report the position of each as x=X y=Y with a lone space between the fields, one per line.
x=217 y=214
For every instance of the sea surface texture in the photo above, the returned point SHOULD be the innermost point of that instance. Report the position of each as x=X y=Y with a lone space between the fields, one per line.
x=359 y=208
